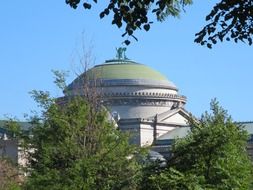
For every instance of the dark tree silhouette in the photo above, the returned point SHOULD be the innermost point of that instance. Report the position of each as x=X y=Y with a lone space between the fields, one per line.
x=135 y=14
x=229 y=19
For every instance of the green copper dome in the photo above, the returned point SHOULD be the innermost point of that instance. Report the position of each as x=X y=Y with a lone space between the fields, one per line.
x=123 y=72
x=118 y=69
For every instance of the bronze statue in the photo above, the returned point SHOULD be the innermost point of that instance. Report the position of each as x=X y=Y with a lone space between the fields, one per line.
x=121 y=53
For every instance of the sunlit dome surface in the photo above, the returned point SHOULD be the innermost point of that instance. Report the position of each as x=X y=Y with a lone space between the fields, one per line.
x=128 y=88
x=124 y=72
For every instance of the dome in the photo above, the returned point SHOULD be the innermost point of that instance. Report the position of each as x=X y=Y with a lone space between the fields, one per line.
x=128 y=89
x=123 y=69
x=124 y=72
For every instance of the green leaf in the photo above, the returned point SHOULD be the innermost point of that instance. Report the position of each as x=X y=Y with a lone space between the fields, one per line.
x=127 y=42
x=146 y=27
x=87 y=5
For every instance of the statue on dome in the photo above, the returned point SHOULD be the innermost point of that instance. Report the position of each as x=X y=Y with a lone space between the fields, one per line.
x=121 y=53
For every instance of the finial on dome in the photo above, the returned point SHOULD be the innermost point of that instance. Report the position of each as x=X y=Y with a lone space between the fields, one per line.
x=121 y=53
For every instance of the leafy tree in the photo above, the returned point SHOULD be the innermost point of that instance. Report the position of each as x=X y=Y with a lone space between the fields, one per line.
x=10 y=171
x=74 y=146
x=9 y=175
x=74 y=150
x=212 y=156
x=134 y=14
x=229 y=19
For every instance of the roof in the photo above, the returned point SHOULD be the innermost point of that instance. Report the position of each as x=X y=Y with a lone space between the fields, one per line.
x=119 y=69
x=248 y=126
x=123 y=72
x=169 y=113
x=181 y=132
x=178 y=132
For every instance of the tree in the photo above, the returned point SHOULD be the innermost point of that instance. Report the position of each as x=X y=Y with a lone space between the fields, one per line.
x=10 y=172
x=134 y=14
x=9 y=175
x=74 y=146
x=229 y=19
x=212 y=156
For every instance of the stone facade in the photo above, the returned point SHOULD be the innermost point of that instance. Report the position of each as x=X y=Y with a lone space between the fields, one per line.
x=147 y=103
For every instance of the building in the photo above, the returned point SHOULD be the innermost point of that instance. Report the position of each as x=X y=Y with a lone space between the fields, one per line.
x=147 y=103
x=9 y=145
x=141 y=101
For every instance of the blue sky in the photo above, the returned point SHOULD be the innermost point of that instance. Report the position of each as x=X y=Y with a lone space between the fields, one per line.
x=38 y=36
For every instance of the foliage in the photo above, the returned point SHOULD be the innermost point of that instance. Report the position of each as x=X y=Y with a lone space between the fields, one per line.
x=228 y=20
x=9 y=176
x=136 y=14
x=212 y=156
x=173 y=179
x=75 y=147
